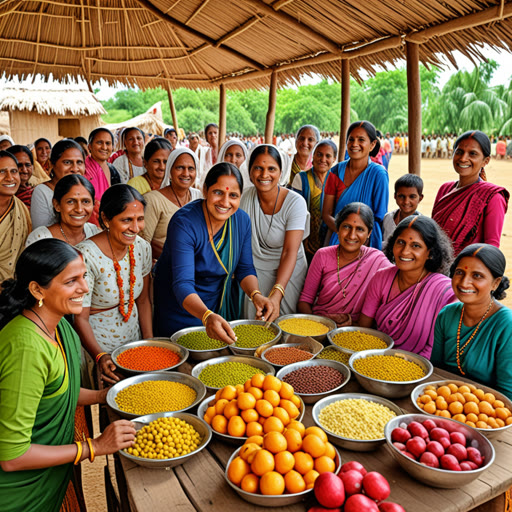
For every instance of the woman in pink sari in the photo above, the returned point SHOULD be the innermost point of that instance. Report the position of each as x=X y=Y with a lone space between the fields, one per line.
x=337 y=278
x=404 y=300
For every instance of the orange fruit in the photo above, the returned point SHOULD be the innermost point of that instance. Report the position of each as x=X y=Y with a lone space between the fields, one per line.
x=310 y=477
x=290 y=408
x=217 y=394
x=303 y=462
x=255 y=439
x=257 y=380
x=298 y=426
x=485 y=407
x=481 y=424
x=430 y=386
x=498 y=403
x=444 y=391
x=313 y=445
x=464 y=389
x=295 y=401
x=261 y=420
x=247 y=385
x=492 y=423
x=293 y=440
x=255 y=392
x=324 y=464
x=254 y=428
x=502 y=413
x=431 y=393
x=470 y=397
x=421 y=405
x=239 y=389
x=272 y=484
x=285 y=461
x=209 y=414
x=508 y=421
x=471 y=407
x=220 y=424
x=489 y=397
x=445 y=414
x=250 y=483
x=441 y=404
x=248 y=451
x=479 y=393
x=237 y=470
x=330 y=451
x=264 y=408
x=294 y=482
x=472 y=417
x=231 y=409
x=453 y=388
x=281 y=413
x=228 y=392
x=220 y=405
x=470 y=424
x=236 y=426
x=455 y=407
x=250 y=415
x=274 y=442
x=246 y=401
x=500 y=422
x=471 y=387
x=483 y=417
x=316 y=431
x=286 y=390
x=263 y=463
x=425 y=399
x=456 y=397
x=271 y=382
x=272 y=396
x=459 y=417
x=430 y=408
x=273 y=424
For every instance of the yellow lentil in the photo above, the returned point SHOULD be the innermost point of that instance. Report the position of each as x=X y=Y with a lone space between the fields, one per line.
x=333 y=355
x=356 y=418
x=357 y=340
x=165 y=438
x=303 y=327
x=389 y=368
x=155 y=396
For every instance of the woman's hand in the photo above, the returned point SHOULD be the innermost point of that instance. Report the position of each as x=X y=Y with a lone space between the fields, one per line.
x=107 y=369
x=116 y=436
x=218 y=329
x=102 y=396
x=266 y=308
x=341 y=319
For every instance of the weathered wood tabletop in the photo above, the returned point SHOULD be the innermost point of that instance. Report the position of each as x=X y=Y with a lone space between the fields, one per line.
x=199 y=485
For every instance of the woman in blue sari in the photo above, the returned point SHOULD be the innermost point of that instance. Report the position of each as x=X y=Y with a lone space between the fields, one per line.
x=358 y=179
x=206 y=255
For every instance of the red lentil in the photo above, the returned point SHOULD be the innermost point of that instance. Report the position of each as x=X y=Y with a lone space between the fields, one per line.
x=287 y=355
x=148 y=358
x=314 y=379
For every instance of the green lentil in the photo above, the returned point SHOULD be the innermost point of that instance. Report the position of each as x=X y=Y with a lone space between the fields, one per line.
x=252 y=336
x=333 y=355
x=357 y=340
x=356 y=418
x=155 y=396
x=303 y=327
x=389 y=368
x=199 y=340
x=229 y=373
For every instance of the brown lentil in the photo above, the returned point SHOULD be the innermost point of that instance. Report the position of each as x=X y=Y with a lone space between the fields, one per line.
x=314 y=379
x=303 y=327
x=357 y=340
x=389 y=368
x=287 y=355
x=334 y=355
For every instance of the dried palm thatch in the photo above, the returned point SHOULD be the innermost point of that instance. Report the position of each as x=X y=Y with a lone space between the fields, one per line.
x=4 y=123
x=201 y=43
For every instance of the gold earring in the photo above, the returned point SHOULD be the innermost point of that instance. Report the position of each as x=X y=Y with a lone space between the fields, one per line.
x=40 y=303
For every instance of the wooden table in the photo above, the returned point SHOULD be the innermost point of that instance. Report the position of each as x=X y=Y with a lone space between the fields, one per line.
x=199 y=484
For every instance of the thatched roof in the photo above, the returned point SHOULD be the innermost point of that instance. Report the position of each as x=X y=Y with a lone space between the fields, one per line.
x=49 y=99
x=149 y=122
x=4 y=123
x=201 y=43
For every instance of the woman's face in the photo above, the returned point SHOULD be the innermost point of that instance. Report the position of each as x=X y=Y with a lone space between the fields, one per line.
x=410 y=251
x=9 y=177
x=234 y=155
x=155 y=166
x=134 y=142
x=183 y=172
x=305 y=142
x=352 y=233
x=172 y=138
x=70 y=162
x=265 y=173
x=124 y=227
x=25 y=167
x=101 y=147
x=212 y=136
x=43 y=151
x=469 y=159
x=473 y=282
x=323 y=158
x=359 y=144
x=75 y=207
x=222 y=198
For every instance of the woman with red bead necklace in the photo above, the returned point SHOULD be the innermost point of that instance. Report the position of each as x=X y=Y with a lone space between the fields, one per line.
x=117 y=308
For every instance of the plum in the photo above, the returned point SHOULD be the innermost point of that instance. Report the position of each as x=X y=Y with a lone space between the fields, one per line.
x=445 y=442
x=400 y=446
x=376 y=486
x=353 y=464
x=437 y=433
x=400 y=435
x=471 y=464
x=352 y=480
x=416 y=446
x=475 y=456
x=389 y=506
x=458 y=451
x=465 y=466
x=449 y=462
x=360 y=503
x=458 y=437
x=429 y=425
x=324 y=509
x=410 y=455
x=329 y=490
x=417 y=430
x=436 y=448
x=429 y=459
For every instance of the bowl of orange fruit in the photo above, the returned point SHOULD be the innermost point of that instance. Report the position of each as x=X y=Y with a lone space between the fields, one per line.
x=280 y=468
x=262 y=404
x=475 y=405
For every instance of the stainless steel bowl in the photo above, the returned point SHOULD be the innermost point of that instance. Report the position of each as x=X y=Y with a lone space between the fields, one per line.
x=289 y=337
x=283 y=345
x=311 y=398
x=365 y=330
x=183 y=378
x=273 y=501
x=388 y=388
x=252 y=361
x=201 y=427
x=492 y=433
x=241 y=351
x=440 y=477
x=357 y=445
x=151 y=342
x=199 y=355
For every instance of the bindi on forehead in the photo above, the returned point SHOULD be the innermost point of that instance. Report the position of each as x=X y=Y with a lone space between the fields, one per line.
x=227 y=189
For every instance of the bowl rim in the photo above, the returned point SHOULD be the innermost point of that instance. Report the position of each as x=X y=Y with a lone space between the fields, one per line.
x=317 y=318
x=174 y=339
x=354 y=328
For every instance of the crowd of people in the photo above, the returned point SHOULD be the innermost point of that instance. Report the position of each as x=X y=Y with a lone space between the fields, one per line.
x=99 y=248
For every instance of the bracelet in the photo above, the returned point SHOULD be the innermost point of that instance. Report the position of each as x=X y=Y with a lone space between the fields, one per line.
x=253 y=293
x=91 y=450
x=277 y=286
x=99 y=356
x=207 y=313
x=78 y=453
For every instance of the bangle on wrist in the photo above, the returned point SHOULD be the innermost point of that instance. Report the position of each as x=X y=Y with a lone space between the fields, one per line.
x=91 y=450
x=207 y=313
x=78 y=453
x=99 y=356
x=253 y=293
x=277 y=286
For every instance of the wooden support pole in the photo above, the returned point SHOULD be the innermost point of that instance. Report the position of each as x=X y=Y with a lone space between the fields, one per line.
x=173 y=110
x=271 y=112
x=222 y=114
x=345 y=107
x=414 y=105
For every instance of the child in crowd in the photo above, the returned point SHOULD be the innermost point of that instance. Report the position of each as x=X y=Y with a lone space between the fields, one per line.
x=408 y=195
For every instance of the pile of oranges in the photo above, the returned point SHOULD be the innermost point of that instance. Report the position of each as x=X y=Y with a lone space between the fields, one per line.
x=466 y=403
x=282 y=462
x=263 y=404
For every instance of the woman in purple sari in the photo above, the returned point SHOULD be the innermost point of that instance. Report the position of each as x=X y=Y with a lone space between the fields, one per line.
x=403 y=301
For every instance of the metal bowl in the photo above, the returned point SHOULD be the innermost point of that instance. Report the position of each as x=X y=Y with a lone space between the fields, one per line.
x=388 y=388
x=151 y=342
x=252 y=361
x=289 y=337
x=337 y=349
x=201 y=427
x=373 y=332
x=241 y=351
x=357 y=445
x=284 y=345
x=492 y=433
x=199 y=355
x=440 y=477
x=183 y=378
x=201 y=410
x=311 y=398
x=274 y=501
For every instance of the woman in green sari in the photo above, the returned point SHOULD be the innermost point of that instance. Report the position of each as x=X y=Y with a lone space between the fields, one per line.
x=40 y=382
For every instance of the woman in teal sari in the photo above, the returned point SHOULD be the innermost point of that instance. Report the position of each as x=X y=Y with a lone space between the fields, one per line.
x=40 y=382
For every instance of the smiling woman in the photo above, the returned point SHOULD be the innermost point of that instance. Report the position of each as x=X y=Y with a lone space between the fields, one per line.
x=131 y=163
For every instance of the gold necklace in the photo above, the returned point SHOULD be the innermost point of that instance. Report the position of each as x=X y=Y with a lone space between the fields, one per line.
x=340 y=282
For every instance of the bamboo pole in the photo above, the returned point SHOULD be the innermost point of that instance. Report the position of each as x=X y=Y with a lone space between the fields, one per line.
x=414 y=107
x=345 y=107
x=173 y=109
x=222 y=114
x=271 y=112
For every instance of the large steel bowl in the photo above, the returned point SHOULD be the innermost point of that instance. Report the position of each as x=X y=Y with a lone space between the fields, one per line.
x=183 y=378
x=199 y=355
x=284 y=345
x=252 y=361
x=390 y=389
x=311 y=398
x=289 y=337
x=241 y=351
x=490 y=433
x=357 y=445
x=201 y=427
x=434 y=477
x=365 y=330
x=343 y=354
x=151 y=342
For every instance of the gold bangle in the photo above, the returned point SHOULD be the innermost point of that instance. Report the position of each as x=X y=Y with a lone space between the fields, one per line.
x=253 y=293
x=277 y=286
x=78 y=453
x=99 y=356
x=207 y=313
x=91 y=450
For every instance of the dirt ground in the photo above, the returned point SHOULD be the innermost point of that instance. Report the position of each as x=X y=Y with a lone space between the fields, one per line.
x=434 y=172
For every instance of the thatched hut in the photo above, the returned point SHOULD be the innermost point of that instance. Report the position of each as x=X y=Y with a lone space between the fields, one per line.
x=50 y=110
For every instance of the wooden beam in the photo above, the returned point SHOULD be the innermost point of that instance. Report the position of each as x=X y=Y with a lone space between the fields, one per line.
x=197 y=11
x=414 y=107
x=271 y=112
x=222 y=114
x=345 y=107
x=173 y=109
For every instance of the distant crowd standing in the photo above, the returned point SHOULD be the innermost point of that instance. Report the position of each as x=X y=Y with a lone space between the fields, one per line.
x=100 y=247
